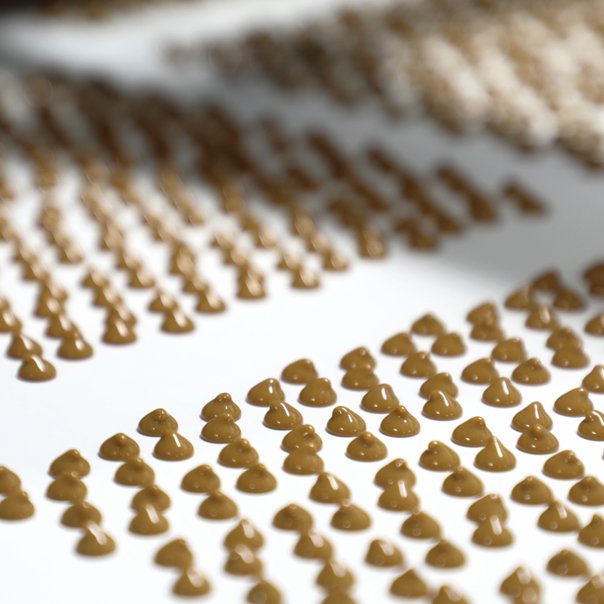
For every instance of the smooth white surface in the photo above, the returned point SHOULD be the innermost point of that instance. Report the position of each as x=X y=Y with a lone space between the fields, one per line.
x=92 y=400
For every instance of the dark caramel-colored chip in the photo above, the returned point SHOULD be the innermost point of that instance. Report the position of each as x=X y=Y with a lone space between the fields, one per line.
x=438 y=457
x=293 y=518
x=472 y=433
x=380 y=399
x=345 y=422
x=350 y=517
x=266 y=393
x=558 y=518
x=494 y=457
x=301 y=371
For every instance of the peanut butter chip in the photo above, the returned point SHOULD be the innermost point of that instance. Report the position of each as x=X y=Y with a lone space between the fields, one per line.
x=318 y=393
x=266 y=393
x=462 y=483
x=594 y=380
x=256 y=479
x=70 y=461
x=9 y=481
x=16 y=506
x=449 y=595
x=445 y=555
x=564 y=465
x=531 y=372
x=439 y=457
x=537 y=439
x=592 y=534
x=360 y=378
x=223 y=403
x=472 y=433
x=313 y=546
x=398 y=497
x=34 y=368
x=366 y=447
x=359 y=357
x=409 y=585
x=148 y=521
x=486 y=507
x=379 y=399
x=509 y=351
x=592 y=427
x=190 y=584
x=283 y=416
x=558 y=518
x=334 y=576
x=492 y=533
x=67 y=486
x=574 y=403
x=301 y=371
x=172 y=446
x=418 y=365
x=440 y=382
x=399 y=423
x=494 y=457
x=174 y=554
x=393 y=472
x=244 y=533
x=531 y=491
x=427 y=325
x=242 y=561
x=567 y=563
x=119 y=447
x=588 y=491
x=221 y=429
x=595 y=325
x=592 y=592
x=80 y=514
x=448 y=345
x=532 y=415
x=441 y=406
x=95 y=542
x=501 y=393
x=383 y=554
x=201 y=479
x=264 y=592
x=22 y=346
x=293 y=518
x=302 y=436
x=134 y=472
x=399 y=345
x=238 y=454
x=156 y=423
x=329 y=489
x=345 y=422
x=217 y=506
x=151 y=495
x=482 y=371
x=350 y=517
x=521 y=586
